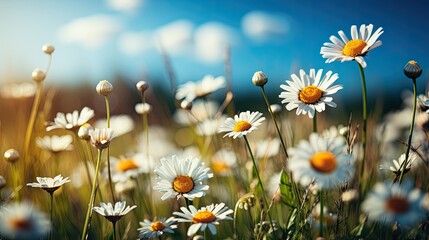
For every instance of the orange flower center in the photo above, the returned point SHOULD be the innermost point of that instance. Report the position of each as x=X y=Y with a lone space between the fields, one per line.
x=157 y=226
x=204 y=216
x=21 y=224
x=324 y=162
x=397 y=205
x=183 y=184
x=219 y=166
x=354 y=48
x=125 y=165
x=242 y=126
x=310 y=94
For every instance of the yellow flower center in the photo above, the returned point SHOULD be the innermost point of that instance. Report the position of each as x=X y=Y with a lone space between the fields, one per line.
x=183 y=184
x=125 y=165
x=242 y=126
x=310 y=94
x=397 y=205
x=21 y=224
x=204 y=216
x=157 y=226
x=354 y=48
x=219 y=166
x=324 y=162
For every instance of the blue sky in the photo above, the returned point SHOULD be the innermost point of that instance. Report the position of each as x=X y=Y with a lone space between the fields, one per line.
x=97 y=40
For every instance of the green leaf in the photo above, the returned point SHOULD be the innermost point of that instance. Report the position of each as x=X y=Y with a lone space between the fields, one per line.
x=286 y=193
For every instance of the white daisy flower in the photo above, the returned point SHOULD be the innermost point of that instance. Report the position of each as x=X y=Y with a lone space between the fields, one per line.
x=71 y=121
x=152 y=230
x=55 y=143
x=398 y=164
x=18 y=90
x=113 y=212
x=124 y=168
x=241 y=124
x=208 y=127
x=179 y=177
x=49 y=184
x=309 y=92
x=143 y=108
x=223 y=162
x=23 y=221
x=101 y=137
x=325 y=161
x=268 y=147
x=201 y=110
x=390 y=202
x=121 y=124
x=343 y=50
x=192 y=90
x=208 y=216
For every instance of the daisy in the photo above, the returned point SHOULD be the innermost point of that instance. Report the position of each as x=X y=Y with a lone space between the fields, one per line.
x=124 y=168
x=388 y=203
x=18 y=90
x=192 y=90
x=143 y=108
x=179 y=177
x=101 y=137
x=208 y=216
x=71 y=121
x=223 y=162
x=325 y=161
x=121 y=124
x=113 y=212
x=201 y=110
x=49 y=184
x=208 y=127
x=55 y=143
x=241 y=124
x=398 y=164
x=267 y=148
x=343 y=50
x=23 y=221
x=309 y=92
x=152 y=230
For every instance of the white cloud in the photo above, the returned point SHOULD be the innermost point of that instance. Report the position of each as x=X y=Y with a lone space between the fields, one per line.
x=91 y=32
x=127 y=6
x=262 y=26
x=175 y=37
x=134 y=43
x=211 y=39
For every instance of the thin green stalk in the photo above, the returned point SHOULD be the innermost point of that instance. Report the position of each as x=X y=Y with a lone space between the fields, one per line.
x=92 y=197
x=235 y=221
x=315 y=122
x=51 y=209
x=109 y=173
x=114 y=230
x=205 y=234
x=321 y=213
x=410 y=135
x=31 y=122
x=364 y=119
x=15 y=179
x=260 y=183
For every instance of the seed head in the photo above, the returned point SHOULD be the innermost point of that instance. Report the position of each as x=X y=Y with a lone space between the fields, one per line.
x=48 y=49
x=104 y=88
x=11 y=155
x=142 y=86
x=259 y=79
x=38 y=75
x=412 y=70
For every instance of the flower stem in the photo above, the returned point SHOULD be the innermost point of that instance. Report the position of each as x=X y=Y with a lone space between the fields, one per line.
x=114 y=230
x=364 y=119
x=51 y=209
x=31 y=122
x=315 y=122
x=410 y=135
x=321 y=213
x=260 y=184
x=109 y=173
x=92 y=197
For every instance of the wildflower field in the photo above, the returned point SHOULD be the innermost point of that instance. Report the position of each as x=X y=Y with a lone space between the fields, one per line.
x=188 y=165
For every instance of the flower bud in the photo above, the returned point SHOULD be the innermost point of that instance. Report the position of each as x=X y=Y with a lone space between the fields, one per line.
x=143 y=108
x=104 y=88
x=413 y=70
x=186 y=105
x=11 y=155
x=142 y=86
x=2 y=182
x=83 y=132
x=276 y=108
x=38 y=75
x=259 y=79
x=48 y=49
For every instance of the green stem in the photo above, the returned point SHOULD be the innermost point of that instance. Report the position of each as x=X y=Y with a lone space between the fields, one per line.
x=315 y=122
x=321 y=213
x=235 y=221
x=364 y=119
x=260 y=184
x=51 y=209
x=410 y=135
x=92 y=197
x=15 y=179
x=114 y=230
x=109 y=173
x=31 y=122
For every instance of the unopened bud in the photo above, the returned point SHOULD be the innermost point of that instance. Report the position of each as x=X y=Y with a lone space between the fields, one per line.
x=413 y=70
x=38 y=75
x=186 y=105
x=48 y=49
x=142 y=86
x=276 y=108
x=259 y=79
x=11 y=155
x=104 y=88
